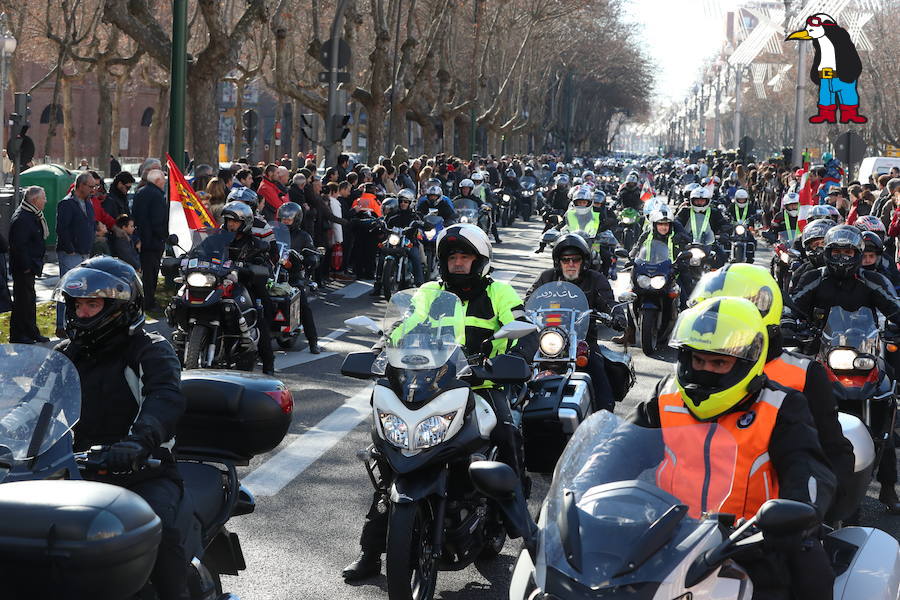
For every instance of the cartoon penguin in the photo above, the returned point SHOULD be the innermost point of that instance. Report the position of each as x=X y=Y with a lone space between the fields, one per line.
x=835 y=69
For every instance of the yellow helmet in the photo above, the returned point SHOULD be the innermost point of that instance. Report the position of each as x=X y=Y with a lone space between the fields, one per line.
x=743 y=280
x=728 y=326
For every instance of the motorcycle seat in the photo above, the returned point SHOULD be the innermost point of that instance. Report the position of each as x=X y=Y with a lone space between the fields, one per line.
x=205 y=485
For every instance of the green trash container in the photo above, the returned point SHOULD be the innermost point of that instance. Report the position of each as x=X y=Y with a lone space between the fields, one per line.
x=55 y=179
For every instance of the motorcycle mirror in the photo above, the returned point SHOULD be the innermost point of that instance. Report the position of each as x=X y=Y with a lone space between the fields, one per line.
x=515 y=330
x=626 y=297
x=173 y=239
x=361 y=324
x=621 y=253
x=780 y=517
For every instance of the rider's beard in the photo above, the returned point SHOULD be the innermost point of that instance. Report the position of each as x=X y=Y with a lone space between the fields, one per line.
x=571 y=276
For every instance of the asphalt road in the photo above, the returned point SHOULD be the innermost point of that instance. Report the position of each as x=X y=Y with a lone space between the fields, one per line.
x=312 y=492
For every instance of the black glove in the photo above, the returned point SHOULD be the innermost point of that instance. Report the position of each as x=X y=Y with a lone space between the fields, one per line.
x=126 y=456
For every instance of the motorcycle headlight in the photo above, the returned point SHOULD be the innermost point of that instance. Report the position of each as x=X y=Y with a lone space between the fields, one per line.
x=658 y=282
x=643 y=281
x=432 y=430
x=201 y=280
x=552 y=343
x=429 y=235
x=506 y=197
x=841 y=359
x=864 y=363
x=627 y=220
x=740 y=230
x=697 y=255
x=395 y=429
x=394 y=239
x=465 y=220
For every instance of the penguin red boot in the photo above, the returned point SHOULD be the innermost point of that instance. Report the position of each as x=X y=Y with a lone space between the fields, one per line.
x=827 y=114
x=849 y=114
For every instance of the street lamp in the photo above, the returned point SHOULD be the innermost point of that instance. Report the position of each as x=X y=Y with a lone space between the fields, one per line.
x=7 y=47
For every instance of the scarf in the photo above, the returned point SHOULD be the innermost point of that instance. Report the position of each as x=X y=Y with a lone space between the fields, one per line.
x=40 y=215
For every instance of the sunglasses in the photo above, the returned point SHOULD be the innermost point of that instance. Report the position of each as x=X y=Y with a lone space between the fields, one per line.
x=570 y=260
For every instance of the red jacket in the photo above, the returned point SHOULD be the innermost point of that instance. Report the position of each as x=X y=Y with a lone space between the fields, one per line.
x=273 y=196
x=100 y=214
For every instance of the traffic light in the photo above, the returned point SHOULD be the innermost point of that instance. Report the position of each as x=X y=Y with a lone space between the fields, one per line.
x=19 y=125
x=339 y=127
x=306 y=120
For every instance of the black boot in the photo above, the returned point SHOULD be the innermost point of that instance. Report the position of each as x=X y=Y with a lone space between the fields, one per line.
x=626 y=337
x=366 y=565
x=888 y=497
x=540 y=248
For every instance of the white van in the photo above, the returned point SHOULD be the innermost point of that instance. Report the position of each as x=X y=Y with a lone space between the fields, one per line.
x=876 y=166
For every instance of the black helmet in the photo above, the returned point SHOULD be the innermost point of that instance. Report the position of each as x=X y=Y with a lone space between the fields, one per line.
x=113 y=281
x=843 y=237
x=571 y=243
x=872 y=242
x=238 y=211
x=816 y=230
x=389 y=206
x=291 y=210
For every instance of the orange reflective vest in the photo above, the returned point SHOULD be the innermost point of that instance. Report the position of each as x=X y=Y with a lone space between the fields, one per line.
x=702 y=472
x=788 y=370
x=367 y=202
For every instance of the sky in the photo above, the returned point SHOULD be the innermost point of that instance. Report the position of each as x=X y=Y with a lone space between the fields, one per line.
x=679 y=35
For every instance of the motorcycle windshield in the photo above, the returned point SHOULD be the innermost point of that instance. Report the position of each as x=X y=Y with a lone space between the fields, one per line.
x=851 y=329
x=562 y=305
x=282 y=233
x=527 y=184
x=606 y=238
x=437 y=221
x=466 y=210
x=40 y=400
x=425 y=329
x=652 y=204
x=654 y=253
x=612 y=485
x=210 y=244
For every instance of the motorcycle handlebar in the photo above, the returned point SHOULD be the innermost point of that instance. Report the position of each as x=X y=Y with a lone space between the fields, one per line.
x=95 y=460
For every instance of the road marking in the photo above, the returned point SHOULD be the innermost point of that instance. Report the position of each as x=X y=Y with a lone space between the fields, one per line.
x=355 y=289
x=271 y=476
x=502 y=275
x=292 y=359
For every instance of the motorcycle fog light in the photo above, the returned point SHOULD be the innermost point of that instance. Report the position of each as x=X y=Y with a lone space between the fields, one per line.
x=432 y=430
x=201 y=280
x=658 y=282
x=643 y=281
x=552 y=343
x=740 y=230
x=841 y=359
x=394 y=239
x=395 y=429
x=864 y=363
x=785 y=258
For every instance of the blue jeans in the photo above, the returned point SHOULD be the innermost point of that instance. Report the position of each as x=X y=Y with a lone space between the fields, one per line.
x=67 y=262
x=834 y=91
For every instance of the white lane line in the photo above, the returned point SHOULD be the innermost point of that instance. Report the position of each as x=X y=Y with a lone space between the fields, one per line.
x=355 y=289
x=502 y=275
x=292 y=359
x=271 y=476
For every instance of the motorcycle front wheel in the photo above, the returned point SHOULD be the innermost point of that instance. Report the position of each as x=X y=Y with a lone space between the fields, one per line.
x=389 y=279
x=649 y=331
x=196 y=347
x=411 y=569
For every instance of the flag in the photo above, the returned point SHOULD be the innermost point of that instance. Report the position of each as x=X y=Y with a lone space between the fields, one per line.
x=647 y=193
x=195 y=213
x=808 y=199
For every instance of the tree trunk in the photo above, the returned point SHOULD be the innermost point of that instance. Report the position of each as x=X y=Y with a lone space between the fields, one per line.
x=204 y=125
x=116 y=118
x=68 y=123
x=449 y=129
x=159 y=129
x=105 y=107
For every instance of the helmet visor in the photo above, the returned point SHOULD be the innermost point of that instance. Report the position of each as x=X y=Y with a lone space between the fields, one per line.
x=717 y=333
x=83 y=282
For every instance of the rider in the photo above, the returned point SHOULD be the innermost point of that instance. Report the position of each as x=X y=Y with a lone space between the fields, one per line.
x=873 y=258
x=791 y=370
x=466 y=192
x=697 y=219
x=291 y=215
x=434 y=198
x=464 y=252
x=398 y=212
x=722 y=348
x=581 y=216
x=245 y=248
x=812 y=243
x=629 y=195
x=557 y=204
x=743 y=210
x=787 y=219
x=572 y=263
x=130 y=397
x=842 y=283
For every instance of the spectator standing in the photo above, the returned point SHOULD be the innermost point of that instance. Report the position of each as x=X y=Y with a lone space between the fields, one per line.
x=27 y=234
x=226 y=176
x=151 y=217
x=148 y=165
x=124 y=244
x=114 y=166
x=98 y=197
x=202 y=174
x=101 y=245
x=272 y=196
x=116 y=201
x=74 y=232
x=243 y=178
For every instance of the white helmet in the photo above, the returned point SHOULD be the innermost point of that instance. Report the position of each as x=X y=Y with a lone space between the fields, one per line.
x=587 y=174
x=787 y=200
x=477 y=177
x=467 y=237
x=662 y=214
x=434 y=190
x=407 y=195
x=583 y=193
x=741 y=194
x=699 y=194
x=466 y=183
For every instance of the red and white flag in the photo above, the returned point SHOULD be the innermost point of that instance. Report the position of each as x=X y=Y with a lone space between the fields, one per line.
x=186 y=212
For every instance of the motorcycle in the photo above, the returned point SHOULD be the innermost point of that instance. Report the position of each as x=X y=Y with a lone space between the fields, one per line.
x=700 y=257
x=527 y=197
x=506 y=206
x=742 y=245
x=426 y=427
x=629 y=228
x=214 y=318
x=617 y=523
x=434 y=224
x=654 y=307
x=64 y=537
x=286 y=320
x=559 y=396
x=396 y=270
x=605 y=245
x=468 y=211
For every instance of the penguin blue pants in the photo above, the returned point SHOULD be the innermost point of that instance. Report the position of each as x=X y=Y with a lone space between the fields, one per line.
x=834 y=91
